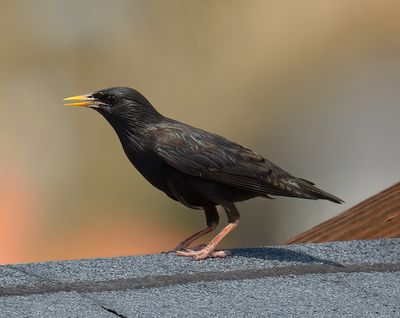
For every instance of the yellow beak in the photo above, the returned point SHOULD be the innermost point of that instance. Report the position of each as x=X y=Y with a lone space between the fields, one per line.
x=79 y=100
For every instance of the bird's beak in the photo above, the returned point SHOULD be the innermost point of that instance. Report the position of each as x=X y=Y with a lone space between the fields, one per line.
x=80 y=100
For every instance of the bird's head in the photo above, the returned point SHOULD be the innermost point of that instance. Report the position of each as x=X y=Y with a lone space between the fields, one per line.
x=121 y=106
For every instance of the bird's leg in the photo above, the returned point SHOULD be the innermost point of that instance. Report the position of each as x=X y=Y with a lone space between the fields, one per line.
x=212 y=220
x=209 y=250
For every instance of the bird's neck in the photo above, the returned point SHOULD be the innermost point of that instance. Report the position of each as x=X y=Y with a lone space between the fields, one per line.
x=133 y=130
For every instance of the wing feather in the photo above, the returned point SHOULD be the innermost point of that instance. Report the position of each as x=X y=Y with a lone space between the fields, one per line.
x=212 y=157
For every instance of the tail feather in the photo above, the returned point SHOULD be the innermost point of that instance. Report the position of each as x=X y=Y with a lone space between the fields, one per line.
x=309 y=189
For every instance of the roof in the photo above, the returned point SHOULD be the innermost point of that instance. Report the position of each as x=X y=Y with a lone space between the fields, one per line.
x=376 y=217
x=355 y=278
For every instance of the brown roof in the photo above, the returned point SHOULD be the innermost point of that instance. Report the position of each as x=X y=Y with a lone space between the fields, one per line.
x=376 y=217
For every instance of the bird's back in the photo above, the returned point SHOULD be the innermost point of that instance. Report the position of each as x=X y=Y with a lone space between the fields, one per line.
x=207 y=156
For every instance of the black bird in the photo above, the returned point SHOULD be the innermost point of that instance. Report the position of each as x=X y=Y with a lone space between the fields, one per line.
x=197 y=168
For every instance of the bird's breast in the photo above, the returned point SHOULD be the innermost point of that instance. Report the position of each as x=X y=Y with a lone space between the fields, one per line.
x=150 y=166
x=192 y=191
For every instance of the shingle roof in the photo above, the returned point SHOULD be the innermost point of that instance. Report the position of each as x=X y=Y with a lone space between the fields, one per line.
x=341 y=279
x=376 y=217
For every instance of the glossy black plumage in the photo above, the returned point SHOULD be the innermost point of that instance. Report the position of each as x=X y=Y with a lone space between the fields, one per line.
x=195 y=167
x=180 y=159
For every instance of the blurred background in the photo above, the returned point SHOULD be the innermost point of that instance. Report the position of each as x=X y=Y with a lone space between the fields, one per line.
x=311 y=85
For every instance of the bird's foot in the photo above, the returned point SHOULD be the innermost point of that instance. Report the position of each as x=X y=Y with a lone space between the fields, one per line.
x=184 y=248
x=202 y=253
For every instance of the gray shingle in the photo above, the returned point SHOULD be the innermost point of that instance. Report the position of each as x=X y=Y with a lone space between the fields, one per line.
x=333 y=295
x=356 y=278
x=53 y=305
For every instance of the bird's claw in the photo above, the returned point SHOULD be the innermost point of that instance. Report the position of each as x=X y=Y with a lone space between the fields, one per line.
x=202 y=253
x=186 y=249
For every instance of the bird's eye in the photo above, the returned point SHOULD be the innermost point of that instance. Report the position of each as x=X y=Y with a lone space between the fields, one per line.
x=109 y=98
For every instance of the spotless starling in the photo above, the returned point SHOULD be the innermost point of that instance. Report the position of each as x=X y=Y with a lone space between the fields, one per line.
x=197 y=168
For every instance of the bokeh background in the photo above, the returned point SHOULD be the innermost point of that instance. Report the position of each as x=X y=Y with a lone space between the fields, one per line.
x=313 y=85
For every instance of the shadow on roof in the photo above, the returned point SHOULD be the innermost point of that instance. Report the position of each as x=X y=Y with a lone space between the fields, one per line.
x=282 y=255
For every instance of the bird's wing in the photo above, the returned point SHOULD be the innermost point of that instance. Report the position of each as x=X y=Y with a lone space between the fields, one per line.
x=209 y=156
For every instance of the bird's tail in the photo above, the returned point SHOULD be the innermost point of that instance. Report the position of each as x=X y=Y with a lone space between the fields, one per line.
x=309 y=189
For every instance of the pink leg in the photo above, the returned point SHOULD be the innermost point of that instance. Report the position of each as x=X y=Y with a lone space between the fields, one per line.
x=209 y=250
x=212 y=220
x=185 y=243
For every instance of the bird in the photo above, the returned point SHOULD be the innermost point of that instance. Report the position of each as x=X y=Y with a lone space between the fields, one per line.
x=200 y=169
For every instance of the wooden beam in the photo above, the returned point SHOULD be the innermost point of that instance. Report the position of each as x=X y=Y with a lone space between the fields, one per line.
x=376 y=217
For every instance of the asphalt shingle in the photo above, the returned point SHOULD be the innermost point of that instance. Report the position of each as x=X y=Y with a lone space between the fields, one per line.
x=356 y=278
x=52 y=305
x=335 y=295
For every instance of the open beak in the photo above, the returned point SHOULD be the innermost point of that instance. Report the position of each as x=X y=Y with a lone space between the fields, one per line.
x=80 y=100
